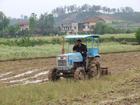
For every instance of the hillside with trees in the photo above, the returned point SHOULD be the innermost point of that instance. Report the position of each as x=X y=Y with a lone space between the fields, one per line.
x=75 y=13
x=48 y=24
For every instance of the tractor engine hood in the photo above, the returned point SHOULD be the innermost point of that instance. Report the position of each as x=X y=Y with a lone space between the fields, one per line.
x=74 y=57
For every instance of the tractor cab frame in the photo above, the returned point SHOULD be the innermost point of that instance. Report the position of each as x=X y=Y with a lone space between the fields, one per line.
x=93 y=49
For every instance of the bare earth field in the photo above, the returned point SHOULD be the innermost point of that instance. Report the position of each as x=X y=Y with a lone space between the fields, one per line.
x=35 y=70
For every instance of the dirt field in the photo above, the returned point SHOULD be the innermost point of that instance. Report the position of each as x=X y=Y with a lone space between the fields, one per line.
x=35 y=70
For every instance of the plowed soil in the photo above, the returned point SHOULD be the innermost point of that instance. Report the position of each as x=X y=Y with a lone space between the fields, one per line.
x=115 y=62
x=23 y=70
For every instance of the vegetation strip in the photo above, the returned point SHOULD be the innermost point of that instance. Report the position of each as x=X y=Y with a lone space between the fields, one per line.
x=55 y=56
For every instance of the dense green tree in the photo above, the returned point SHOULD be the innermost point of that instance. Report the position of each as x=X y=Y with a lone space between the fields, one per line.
x=102 y=28
x=33 y=22
x=50 y=23
x=4 y=21
x=85 y=8
x=127 y=10
x=46 y=24
x=59 y=11
x=99 y=28
x=104 y=9
x=13 y=30
x=113 y=10
x=138 y=35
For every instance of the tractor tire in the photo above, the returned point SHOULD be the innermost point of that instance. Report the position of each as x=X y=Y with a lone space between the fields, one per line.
x=79 y=74
x=94 y=68
x=52 y=75
x=92 y=71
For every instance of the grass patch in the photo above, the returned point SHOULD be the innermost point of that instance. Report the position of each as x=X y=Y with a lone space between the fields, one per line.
x=118 y=38
x=117 y=47
x=30 y=41
x=16 y=52
x=132 y=35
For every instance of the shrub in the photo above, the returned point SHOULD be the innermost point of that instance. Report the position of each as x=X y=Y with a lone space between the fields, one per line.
x=99 y=28
x=56 y=41
x=138 y=35
x=123 y=42
x=112 y=38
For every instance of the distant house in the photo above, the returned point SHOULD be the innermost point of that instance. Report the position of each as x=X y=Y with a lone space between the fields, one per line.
x=85 y=26
x=89 y=24
x=71 y=28
x=107 y=19
x=24 y=25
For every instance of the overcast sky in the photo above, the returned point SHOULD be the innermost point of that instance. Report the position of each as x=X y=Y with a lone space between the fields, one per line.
x=14 y=8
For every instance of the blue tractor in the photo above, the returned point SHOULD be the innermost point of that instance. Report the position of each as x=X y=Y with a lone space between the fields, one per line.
x=71 y=64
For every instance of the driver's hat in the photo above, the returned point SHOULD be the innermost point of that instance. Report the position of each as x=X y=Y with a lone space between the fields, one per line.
x=79 y=40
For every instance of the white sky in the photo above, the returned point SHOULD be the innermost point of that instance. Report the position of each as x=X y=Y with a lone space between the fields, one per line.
x=14 y=8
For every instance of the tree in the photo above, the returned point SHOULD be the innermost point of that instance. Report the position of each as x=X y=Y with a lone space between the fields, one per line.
x=85 y=8
x=102 y=28
x=105 y=9
x=118 y=10
x=41 y=24
x=46 y=24
x=33 y=22
x=73 y=8
x=95 y=8
x=99 y=28
x=4 y=21
x=113 y=10
x=127 y=10
x=108 y=10
x=50 y=23
x=138 y=35
x=13 y=30
x=59 y=11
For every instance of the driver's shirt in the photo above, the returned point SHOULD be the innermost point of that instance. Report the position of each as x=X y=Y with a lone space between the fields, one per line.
x=82 y=49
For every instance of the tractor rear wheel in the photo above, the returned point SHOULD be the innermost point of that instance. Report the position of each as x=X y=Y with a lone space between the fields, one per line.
x=94 y=68
x=92 y=71
x=52 y=75
x=79 y=74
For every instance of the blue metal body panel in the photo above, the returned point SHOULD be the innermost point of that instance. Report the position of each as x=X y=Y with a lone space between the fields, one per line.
x=93 y=52
x=74 y=57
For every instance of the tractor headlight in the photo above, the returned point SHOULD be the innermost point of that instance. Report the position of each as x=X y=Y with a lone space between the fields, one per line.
x=65 y=57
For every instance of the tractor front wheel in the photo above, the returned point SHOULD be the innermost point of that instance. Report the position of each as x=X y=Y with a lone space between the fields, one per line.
x=79 y=74
x=52 y=75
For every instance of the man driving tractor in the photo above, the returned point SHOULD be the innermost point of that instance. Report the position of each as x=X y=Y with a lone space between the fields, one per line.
x=80 y=47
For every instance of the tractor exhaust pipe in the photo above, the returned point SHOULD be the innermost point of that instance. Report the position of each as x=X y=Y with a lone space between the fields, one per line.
x=63 y=49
